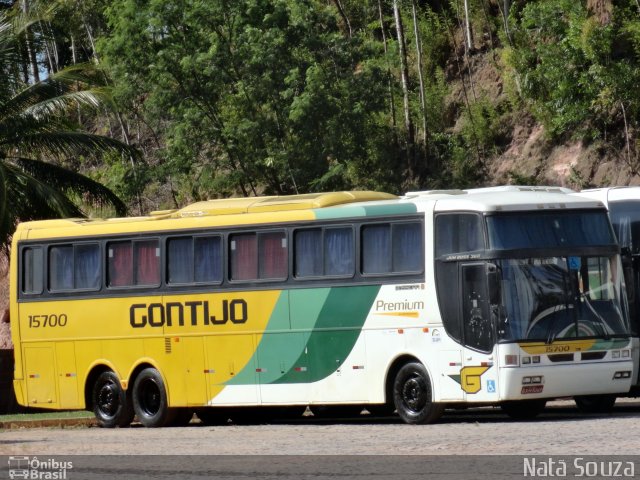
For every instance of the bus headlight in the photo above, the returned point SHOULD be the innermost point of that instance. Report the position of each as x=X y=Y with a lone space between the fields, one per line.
x=511 y=360
x=538 y=379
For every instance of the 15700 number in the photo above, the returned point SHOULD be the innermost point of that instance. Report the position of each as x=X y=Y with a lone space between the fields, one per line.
x=52 y=320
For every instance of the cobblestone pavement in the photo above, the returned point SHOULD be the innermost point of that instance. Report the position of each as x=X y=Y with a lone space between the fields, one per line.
x=560 y=430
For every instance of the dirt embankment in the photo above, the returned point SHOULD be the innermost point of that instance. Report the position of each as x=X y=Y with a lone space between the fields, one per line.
x=523 y=152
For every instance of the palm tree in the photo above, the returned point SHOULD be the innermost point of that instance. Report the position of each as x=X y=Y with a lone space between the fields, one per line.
x=36 y=135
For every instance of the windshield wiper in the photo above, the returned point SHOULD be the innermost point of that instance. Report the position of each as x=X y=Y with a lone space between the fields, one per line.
x=551 y=335
x=601 y=322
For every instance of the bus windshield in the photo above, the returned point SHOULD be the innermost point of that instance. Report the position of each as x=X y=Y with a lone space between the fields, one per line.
x=544 y=299
x=550 y=229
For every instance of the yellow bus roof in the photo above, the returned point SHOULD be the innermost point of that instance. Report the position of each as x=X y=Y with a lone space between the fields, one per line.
x=229 y=206
x=279 y=203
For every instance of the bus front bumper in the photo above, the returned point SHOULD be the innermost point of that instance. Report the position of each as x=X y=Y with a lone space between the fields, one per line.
x=555 y=381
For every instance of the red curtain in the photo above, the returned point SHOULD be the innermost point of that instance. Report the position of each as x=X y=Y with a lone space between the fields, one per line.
x=148 y=263
x=120 y=264
x=273 y=256
x=244 y=261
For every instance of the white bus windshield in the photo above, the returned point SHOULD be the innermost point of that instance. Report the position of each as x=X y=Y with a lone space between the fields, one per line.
x=551 y=298
x=549 y=230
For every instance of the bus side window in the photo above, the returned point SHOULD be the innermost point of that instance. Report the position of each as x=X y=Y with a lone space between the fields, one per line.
x=258 y=256
x=180 y=260
x=308 y=253
x=338 y=251
x=133 y=263
x=32 y=273
x=147 y=262
x=408 y=247
x=87 y=266
x=61 y=267
x=376 y=249
x=207 y=256
x=243 y=252
x=325 y=251
x=74 y=267
x=120 y=273
x=272 y=255
x=392 y=248
x=457 y=233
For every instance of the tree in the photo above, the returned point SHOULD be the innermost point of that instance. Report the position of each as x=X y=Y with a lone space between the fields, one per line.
x=37 y=136
x=257 y=96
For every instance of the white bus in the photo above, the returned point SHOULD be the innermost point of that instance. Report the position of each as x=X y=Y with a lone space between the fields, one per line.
x=348 y=300
x=623 y=204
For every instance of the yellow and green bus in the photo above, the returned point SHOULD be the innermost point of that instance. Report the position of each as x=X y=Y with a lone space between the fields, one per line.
x=343 y=300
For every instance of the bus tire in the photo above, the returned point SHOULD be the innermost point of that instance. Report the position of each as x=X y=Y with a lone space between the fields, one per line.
x=150 y=402
x=111 y=404
x=413 y=395
x=523 y=409
x=595 y=403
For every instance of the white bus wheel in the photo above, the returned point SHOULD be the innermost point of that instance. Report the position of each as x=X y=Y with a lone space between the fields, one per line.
x=413 y=395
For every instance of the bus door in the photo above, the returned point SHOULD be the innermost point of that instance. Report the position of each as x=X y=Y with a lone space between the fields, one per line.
x=184 y=354
x=478 y=375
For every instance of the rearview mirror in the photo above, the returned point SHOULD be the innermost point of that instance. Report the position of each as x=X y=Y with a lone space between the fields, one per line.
x=493 y=281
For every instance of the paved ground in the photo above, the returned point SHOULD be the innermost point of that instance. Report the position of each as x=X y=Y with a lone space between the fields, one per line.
x=560 y=430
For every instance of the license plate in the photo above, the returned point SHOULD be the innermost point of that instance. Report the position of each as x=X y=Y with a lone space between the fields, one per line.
x=532 y=389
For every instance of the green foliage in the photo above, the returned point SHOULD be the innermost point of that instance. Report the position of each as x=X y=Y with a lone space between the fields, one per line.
x=252 y=100
x=37 y=135
x=573 y=71
x=281 y=96
x=482 y=126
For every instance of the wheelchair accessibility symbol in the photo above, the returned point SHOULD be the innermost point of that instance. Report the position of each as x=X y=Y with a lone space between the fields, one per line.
x=491 y=386
x=574 y=263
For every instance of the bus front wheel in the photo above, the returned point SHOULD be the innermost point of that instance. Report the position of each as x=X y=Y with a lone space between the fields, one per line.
x=150 y=399
x=413 y=395
x=111 y=405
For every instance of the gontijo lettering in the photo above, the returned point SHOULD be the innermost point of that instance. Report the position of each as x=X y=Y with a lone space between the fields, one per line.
x=194 y=312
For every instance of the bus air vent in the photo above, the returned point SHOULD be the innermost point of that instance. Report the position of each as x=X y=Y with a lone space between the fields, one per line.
x=561 y=357
x=593 y=355
x=167 y=345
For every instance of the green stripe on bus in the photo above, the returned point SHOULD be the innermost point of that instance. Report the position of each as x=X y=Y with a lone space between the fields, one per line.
x=336 y=331
x=326 y=323
x=610 y=344
x=362 y=211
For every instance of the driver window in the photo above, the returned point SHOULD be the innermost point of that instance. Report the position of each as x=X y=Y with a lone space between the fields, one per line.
x=457 y=233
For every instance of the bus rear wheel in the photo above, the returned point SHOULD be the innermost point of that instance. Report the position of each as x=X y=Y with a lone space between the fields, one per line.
x=111 y=405
x=150 y=399
x=413 y=395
